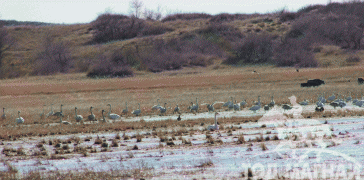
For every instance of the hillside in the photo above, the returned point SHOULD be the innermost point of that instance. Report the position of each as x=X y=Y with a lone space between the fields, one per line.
x=187 y=40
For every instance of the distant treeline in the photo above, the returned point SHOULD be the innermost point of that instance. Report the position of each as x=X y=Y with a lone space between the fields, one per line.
x=23 y=23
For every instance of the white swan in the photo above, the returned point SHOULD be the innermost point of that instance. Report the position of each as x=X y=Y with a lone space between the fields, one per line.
x=78 y=118
x=210 y=107
x=176 y=109
x=103 y=116
x=227 y=104
x=296 y=108
x=112 y=115
x=215 y=126
x=125 y=111
x=91 y=117
x=163 y=110
x=60 y=113
x=236 y=106
x=156 y=107
x=137 y=111
x=51 y=112
x=19 y=120
x=65 y=122
x=195 y=106
x=272 y=103
x=256 y=107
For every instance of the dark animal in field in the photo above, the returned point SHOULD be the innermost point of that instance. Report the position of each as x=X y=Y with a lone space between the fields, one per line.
x=313 y=82
x=319 y=109
x=360 y=80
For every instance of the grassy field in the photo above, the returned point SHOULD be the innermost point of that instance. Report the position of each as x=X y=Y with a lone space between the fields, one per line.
x=29 y=94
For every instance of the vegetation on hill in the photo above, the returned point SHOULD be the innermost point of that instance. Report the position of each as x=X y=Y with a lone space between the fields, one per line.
x=116 y=45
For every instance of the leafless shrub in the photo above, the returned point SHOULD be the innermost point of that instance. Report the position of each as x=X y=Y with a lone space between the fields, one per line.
x=126 y=137
x=241 y=139
x=135 y=147
x=255 y=48
x=110 y=65
x=186 y=16
x=205 y=163
x=139 y=137
x=98 y=140
x=108 y=27
x=54 y=57
x=263 y=146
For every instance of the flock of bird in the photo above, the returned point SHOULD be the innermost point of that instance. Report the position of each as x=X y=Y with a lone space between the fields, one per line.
x=334 y=101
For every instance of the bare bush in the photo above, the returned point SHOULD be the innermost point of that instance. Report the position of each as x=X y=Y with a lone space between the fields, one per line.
x=54 y=57
x=294 y=52
x=110 y=65
x=223 y=30
x=186 y=16
x=109 y=27
x=255 y=48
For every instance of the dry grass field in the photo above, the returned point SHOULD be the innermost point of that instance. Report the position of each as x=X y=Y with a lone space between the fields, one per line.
x=29 y=94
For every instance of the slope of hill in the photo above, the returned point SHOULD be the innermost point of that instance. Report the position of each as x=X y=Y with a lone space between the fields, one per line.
x=185 y=40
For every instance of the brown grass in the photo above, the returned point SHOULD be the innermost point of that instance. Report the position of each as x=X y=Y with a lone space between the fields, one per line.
x=29 y=94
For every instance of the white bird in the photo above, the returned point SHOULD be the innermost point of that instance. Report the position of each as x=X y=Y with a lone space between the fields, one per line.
x=320 y=104
x=176 y=109
x=256 y=107
x=60 y=113
x=231 y=105
x=125 y=111
x=331 y=98
x=65 y=122
x=227 y=104
x=304 y=103
x=137 y=111
x=51 y=112
x=103 y=116
x=243 y=103
x=19 y=120
x=236 y=106
x=322 y=98
x=91 y=117
x=156 y=107
x=195 y=106
x=272 y=103
x=215 y=126
x=112 y=115
x=163 y=110
x=3 y=116
x=210 y=107
x=78 y=118
x=349 y=98
x=356 y=99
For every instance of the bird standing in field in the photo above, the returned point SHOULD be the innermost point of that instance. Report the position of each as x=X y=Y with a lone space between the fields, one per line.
x=91 y=117
x=19 y=120
x=137 y=111
x=112 y=115
x=125 y=111
x=78 y=118
x=60 y=113
x=3 y=116
x=176 y=109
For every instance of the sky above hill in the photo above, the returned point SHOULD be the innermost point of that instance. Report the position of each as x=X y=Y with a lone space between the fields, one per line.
x=84 y=11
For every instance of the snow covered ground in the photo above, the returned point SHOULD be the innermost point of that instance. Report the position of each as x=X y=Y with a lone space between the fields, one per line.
x=307 y=148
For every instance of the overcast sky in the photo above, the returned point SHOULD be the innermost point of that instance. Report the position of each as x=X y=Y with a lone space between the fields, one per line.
x=84 y=11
